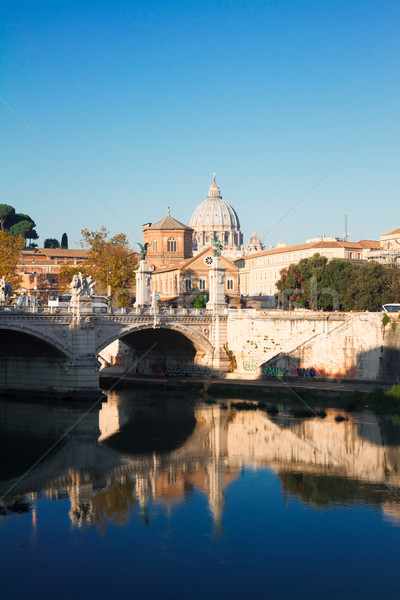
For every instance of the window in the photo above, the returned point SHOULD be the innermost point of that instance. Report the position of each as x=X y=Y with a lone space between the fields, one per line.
x=171 y=245
x=188 y=284
x=154 y=245
x=202 y=283
x=350 y=255
x=229 y=284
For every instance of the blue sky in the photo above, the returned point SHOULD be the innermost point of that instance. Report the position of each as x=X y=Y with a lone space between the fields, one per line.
x=138 y=102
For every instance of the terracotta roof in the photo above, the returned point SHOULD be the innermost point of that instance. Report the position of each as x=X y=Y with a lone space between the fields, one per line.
x=310 y=245
x=169 y=222
x=279 y=250
x=395 y=231
x=370 y=244
x=57 y=253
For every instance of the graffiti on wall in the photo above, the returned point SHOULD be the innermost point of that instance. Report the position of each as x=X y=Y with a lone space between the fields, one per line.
x=118 y=361
x=275 y=372
x=313 y=371
x=179 y=370
x=251 y=365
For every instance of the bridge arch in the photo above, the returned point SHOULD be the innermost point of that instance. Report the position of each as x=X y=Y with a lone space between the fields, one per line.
x=156 y=350
x=26 y=332
x=199 y=341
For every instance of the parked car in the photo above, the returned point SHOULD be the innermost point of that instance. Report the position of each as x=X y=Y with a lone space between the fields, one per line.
x=391 y=308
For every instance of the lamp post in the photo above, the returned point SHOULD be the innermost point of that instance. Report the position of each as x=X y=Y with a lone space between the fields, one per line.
x=108 y=286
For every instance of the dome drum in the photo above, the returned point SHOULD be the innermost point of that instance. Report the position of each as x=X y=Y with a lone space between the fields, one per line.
x=216 y=219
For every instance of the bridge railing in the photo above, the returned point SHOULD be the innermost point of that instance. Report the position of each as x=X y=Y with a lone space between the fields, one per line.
x=115 y=310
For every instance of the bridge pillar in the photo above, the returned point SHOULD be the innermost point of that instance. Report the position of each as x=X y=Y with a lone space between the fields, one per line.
x=217 y=286
x=219 y=337
x=83 y=368
x=143 y=278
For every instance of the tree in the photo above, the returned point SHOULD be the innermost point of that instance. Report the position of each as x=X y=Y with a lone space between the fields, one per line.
x=10 y=250
x=7 y=213
x=51 y=243
x=111 y=263
x=17 y=223
x=200 y=301
x=64 y=241
x=341 y=284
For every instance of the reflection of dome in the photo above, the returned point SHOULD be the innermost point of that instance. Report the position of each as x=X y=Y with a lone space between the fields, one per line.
x=216 y=219
x=254 y=244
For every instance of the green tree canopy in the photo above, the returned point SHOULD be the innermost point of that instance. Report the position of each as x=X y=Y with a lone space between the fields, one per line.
x=317 y=283
x=51 y=243
x=17 y=223
x=7 y=213
x=64 y=241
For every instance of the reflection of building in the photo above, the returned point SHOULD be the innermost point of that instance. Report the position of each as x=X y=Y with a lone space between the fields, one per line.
x=388 y=251
x=106 y=484
x=260 y=271
x=216 y=219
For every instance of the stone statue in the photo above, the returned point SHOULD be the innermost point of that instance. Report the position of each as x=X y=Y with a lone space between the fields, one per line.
x=5 y=290
x=82 y=286
x=143 y=250
x=218 y=247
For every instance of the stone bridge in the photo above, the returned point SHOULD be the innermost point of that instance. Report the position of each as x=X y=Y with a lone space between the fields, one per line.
x=58 y=352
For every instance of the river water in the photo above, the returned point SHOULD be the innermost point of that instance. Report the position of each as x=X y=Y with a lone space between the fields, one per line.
x=156 y=495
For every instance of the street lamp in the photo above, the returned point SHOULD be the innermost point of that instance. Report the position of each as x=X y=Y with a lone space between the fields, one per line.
x=108 y=286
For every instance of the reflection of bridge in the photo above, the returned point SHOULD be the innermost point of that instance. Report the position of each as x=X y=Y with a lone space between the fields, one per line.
x=58 y=352
x=209 y=452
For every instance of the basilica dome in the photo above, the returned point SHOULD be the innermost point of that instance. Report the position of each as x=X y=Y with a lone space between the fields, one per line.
x=216 y=219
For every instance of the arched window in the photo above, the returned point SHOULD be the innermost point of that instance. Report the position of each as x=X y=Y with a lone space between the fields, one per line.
x=171 y=245
x=154 y=245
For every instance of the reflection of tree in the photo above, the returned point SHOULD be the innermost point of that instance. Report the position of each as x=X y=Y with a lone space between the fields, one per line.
x=325 y=490
x=115 y=504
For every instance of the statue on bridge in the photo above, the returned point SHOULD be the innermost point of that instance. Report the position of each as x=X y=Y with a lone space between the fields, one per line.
x=5 y=290
x=82 y=286
x=218 y=246
x=143 y=250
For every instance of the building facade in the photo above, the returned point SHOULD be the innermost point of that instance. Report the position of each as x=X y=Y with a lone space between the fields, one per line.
x=190 y=278
x=169 y=242
x=259 y=272
x=39 y=268
x=388 y=252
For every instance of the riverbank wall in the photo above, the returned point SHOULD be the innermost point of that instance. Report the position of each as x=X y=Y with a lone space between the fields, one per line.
x=315 y=345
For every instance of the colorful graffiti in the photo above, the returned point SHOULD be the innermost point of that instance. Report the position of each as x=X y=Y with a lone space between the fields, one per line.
x=313 y=371
x=179 y=370
x=275 y=372
x=118 y=361
x=307 y=372
x=251 y=365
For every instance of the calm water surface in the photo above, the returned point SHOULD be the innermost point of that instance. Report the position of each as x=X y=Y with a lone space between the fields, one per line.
x=166 y=496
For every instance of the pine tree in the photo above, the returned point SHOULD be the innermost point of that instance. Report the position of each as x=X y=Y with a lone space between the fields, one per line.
x=64 y=241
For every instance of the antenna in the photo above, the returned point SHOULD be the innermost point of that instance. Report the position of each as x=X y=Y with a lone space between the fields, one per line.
x=346 y=235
